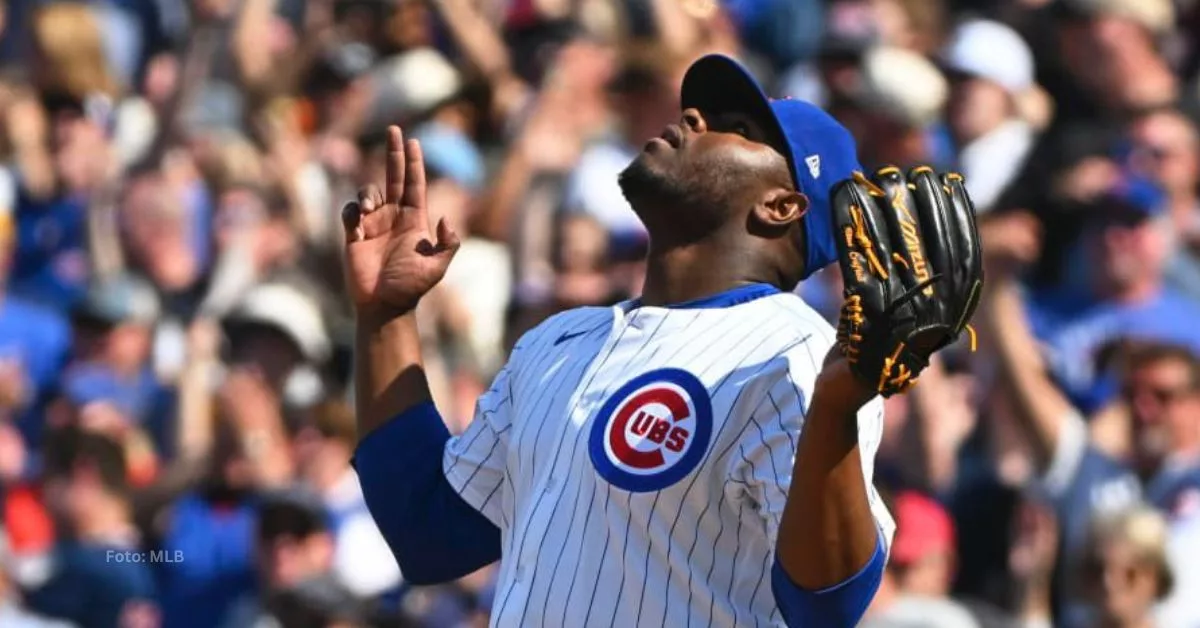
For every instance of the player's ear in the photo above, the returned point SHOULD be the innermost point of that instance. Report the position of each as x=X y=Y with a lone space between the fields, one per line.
x=780 y=208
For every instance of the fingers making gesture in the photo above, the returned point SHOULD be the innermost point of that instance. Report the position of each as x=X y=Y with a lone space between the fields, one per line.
x=393 y=254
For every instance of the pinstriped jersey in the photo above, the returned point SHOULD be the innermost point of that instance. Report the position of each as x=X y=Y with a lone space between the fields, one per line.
x=637 y=461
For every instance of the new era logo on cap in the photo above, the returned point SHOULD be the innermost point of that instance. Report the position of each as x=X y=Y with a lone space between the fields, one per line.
x=814 y=165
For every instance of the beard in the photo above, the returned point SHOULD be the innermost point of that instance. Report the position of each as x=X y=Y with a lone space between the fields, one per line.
x=677 y=205
x=642 y=183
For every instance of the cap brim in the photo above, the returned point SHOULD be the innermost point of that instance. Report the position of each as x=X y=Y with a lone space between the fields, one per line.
x=88 y=314
x=1118 y=211
x=718 y=84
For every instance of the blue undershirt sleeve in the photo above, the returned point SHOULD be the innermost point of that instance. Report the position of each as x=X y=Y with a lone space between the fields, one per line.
x=435 y=535
x=841 y=605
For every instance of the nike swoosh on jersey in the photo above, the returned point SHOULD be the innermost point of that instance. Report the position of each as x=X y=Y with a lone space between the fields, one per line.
x=567 y=336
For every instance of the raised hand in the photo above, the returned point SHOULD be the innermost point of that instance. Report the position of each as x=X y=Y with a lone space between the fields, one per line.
x=392 y=256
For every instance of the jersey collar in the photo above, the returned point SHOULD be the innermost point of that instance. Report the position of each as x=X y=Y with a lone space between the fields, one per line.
x=728 y=298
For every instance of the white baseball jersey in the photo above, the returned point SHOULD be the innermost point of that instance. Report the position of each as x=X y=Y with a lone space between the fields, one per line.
x=637 y=461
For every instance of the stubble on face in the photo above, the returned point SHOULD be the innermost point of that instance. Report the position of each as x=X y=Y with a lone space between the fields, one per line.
x=691 y=195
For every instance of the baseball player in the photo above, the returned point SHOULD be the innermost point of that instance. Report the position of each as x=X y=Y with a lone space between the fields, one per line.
x=702 y=455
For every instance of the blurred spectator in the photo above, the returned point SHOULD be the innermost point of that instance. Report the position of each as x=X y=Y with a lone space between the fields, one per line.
x=1165 y=146
x=645 y=92
x=362 y=561
x=1126 y=568
x=899 y=98
x=94 y=577
x=170 y=175
x=1032 y=559
x=34 y=345
x=1162 y=391
x=921 y=566
x=1161 y=386
x=1110 y=50
x=1113 y=288
x=213 y=526
x=295 y=552
x=470 y=306
x=990 y=69
x=12 y=611
x=277 y=332
x=114 y=331
x=156 y=229
x=272 y=333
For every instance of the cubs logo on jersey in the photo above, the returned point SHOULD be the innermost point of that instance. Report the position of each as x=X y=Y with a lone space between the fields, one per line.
x=652 y=431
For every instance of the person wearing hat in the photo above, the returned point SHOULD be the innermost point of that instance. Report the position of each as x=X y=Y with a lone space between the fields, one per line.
x=739 y=508
x=1061 y=393
x=276 y=337
x=893 y=106
x=115 y=329
x=990 y=68
x=920 y=571
x=1164 y=145
x=278 y=331
x=112 y=382
x=1112 y=287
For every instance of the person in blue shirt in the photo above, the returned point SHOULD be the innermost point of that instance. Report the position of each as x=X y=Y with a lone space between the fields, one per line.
x=99 y=570
x=1161 y=385
x=1086 y=479
x=115 y=326
x=295 y=550
x=34 y=345
x=1114 y=288
x=51 y=265
x=213 y=526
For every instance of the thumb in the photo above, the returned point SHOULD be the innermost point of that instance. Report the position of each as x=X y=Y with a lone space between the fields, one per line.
x=447 y=241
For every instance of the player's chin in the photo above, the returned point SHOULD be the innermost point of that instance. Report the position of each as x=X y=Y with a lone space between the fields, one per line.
x=644 y=174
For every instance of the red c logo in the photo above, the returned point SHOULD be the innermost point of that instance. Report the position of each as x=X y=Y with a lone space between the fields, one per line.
x=674 y=402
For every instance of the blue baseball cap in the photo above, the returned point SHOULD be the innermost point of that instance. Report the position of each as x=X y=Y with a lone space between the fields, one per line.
x=819 y=150
x=1132 y=199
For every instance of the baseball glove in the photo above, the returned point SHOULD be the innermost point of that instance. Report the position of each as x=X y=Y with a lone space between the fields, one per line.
x=910 y=257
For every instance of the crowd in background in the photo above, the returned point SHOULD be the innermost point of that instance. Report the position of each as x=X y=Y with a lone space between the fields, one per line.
x=176 y=423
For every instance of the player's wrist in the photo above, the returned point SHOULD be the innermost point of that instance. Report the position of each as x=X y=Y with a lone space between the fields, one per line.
x=838 y=384
x=370 y=318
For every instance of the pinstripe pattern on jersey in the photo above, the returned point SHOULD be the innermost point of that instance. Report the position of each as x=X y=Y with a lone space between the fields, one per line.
x=696 y=553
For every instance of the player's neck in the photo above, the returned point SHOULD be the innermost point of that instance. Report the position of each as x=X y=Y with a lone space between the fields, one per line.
x=682 y=274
